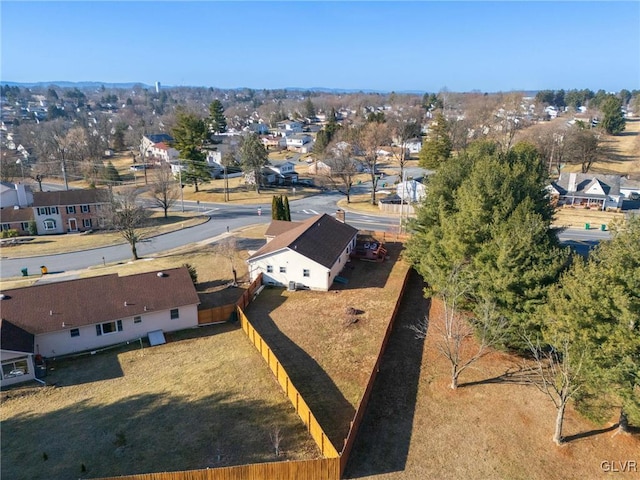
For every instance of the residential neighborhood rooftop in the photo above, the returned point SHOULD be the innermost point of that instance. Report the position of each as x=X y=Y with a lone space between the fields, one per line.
x=92 y=300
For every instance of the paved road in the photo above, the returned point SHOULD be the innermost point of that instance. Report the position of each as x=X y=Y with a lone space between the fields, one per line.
x=222 y=216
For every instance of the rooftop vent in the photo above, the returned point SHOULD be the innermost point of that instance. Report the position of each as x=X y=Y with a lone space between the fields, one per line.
x=4 y=297
x=161 y=274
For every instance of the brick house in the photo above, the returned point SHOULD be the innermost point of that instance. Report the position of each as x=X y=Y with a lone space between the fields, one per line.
x=69 y=211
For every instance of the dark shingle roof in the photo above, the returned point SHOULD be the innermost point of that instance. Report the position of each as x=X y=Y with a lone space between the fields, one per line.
x=70 y=197
x=44 y=308
x=13 y=215
x=278 y=227
x=321 y=238
x=160 y=137
x=15 y=338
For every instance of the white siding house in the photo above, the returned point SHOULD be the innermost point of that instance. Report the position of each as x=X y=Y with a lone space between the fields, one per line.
x=309 y=254
x=92 y=313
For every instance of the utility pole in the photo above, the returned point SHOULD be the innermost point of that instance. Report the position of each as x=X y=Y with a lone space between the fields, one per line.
x=64 y=175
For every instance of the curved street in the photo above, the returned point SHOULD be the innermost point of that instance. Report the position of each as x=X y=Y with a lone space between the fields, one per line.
x=221 y=216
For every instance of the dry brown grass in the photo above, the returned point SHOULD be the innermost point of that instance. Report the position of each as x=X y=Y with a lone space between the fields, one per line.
x=204 y=399
x=494 y=426
x=72 y=242
x=329 y=358
x=579 y=217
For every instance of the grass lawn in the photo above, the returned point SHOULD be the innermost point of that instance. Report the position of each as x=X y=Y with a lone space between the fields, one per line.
x=328 y=359
x=204 y=399
x=71 y=242
x=494 y=426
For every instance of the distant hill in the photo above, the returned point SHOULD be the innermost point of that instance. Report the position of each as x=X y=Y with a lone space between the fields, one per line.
x=65 y=84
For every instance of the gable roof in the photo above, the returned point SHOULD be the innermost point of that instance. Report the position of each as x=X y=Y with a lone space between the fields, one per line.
x=45 y=308
x=321 y=238
x=15 y=338
x=610 y=184
x=70 y=197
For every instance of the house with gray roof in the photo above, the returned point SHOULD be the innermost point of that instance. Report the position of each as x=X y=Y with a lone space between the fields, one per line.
x=587 y=190
x=89 y=314
x=309 y=254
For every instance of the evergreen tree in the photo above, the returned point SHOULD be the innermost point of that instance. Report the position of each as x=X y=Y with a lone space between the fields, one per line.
x=597 y=309
x=286 y=210
x=276 y=207
x=190 y=133
x=253 y=156
x=485 y=218
x=309 y=108
x=436 y=148
x=613 y=120
x=111 y=174
x=217 y=120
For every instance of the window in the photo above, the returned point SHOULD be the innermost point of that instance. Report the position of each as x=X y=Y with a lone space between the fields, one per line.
x=269 y=268
x=306 y=273
x=85 y=208
x=71 y=209
x=86 y=222
x=283 y=269
x=137 y=319
x=24 y=226
x=47 y=210
x=5 y=227
x=75 y=332
x=175 y=313
x=49 y=224
x=108 y=328
x=15 y=367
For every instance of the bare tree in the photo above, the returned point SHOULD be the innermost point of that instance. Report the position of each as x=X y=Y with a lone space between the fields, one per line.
x=582 y=147
x=367 y=139
x=164 y=188
x=557 y=376
x=129 y=218
x=341 y=168
x=405 y=127
x=228 y=249
x=275 y=435
x=456 y=340
x=229 y=159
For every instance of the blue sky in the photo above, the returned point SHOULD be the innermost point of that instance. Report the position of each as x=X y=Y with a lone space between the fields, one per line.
x=389 y=46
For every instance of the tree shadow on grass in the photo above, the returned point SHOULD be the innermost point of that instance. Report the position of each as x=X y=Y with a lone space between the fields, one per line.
x=383 y=440
x=144 y=433
x=331 y=409
x=520 y=375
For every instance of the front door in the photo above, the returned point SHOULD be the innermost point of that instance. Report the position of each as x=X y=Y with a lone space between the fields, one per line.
x=73 y=225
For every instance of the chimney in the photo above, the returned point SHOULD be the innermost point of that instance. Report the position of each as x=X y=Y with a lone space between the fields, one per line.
x=572 y=182
x=340 y=216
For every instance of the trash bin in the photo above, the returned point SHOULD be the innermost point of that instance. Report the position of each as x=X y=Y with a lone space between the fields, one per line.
x=587 y=226
x=25 y=272
x=43 y=270
x=603 y=227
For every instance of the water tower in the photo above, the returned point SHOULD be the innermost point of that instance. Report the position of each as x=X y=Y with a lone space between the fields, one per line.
x=157 y=87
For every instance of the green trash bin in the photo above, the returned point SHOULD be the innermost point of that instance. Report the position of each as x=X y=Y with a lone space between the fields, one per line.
x=25 y=272
x=603 y=227
x=587 y=226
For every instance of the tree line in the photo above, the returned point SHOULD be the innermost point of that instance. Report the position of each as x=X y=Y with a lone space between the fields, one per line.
x=483 y=242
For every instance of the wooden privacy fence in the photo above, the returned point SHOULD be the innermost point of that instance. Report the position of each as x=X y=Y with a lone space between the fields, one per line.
x=386 y=236
x=321 y=469
x=302 y=409
x=223 y=313
x=362 y=405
